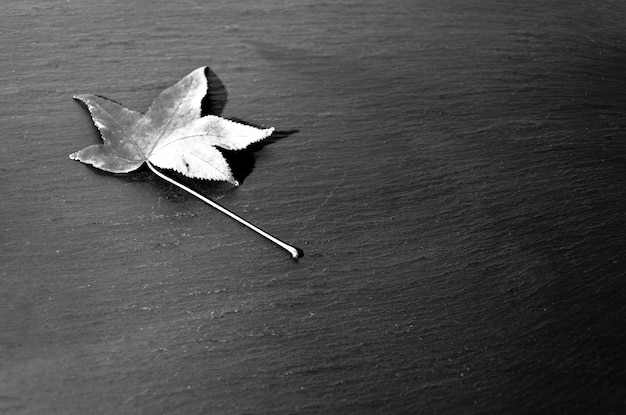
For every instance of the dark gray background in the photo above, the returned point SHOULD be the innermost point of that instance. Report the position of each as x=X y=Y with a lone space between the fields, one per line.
x=456 y=181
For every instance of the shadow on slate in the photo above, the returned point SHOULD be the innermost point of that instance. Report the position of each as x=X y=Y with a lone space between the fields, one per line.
x=241 y=161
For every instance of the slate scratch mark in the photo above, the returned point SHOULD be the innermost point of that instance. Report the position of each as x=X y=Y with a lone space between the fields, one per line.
x=330 y=195
x=332 y=192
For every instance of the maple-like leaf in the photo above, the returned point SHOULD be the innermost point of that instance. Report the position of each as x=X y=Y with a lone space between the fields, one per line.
x=172 y=134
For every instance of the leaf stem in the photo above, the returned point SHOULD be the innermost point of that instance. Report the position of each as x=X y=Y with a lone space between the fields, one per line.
x=295 y=252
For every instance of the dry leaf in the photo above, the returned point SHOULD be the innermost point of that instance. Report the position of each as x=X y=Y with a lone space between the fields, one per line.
x=171 y=135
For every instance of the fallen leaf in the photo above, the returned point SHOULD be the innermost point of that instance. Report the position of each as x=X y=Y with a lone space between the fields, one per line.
x=172 y=134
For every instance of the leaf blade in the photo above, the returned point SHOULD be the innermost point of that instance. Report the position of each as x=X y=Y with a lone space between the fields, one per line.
x=119 y=152
x=224 y=133
x=180 y=103
x=102 y=157
x=193 y=158
x=172 y=134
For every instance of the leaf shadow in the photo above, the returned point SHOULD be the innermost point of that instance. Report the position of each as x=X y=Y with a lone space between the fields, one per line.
x=216 y=96
x=241 y=162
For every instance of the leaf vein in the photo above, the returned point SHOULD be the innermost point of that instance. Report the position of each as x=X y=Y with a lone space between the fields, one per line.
x=122 y=128
x=156 y=149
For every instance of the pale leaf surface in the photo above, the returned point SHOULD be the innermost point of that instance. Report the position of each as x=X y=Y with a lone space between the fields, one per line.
x=193 y=158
